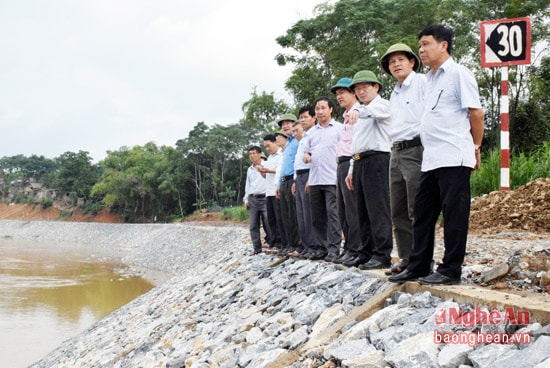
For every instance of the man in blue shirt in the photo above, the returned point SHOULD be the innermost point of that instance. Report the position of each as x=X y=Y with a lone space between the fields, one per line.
x=284 y=190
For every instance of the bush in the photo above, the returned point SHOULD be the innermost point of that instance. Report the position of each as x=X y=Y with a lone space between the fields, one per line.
x=92 y=207
x=46 y=203
x=23 y=199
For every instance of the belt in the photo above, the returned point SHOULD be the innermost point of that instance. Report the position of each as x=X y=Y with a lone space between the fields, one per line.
x=343 y=159
x=257 y=195
x=287 y=178
x=302 y=171
x=406 y=144
x=359 y=156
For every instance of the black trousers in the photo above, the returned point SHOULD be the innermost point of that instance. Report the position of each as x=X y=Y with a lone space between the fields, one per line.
x=288 y=212
x=444 y=190
x=326 y=225
x=371 y=185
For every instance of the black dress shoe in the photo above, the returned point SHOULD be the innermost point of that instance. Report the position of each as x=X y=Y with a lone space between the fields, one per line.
x=344 y=256
x=356 y=261
x=255 y=252
x=374 y=264
x=404 y=277
x=317 y=256
x=437 y=278
x=331 y=257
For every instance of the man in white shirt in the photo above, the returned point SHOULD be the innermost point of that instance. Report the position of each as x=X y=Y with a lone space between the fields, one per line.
x=452 y=131
x=368 y=175
x=406 y=107
x=254 y=198
x=271 y=170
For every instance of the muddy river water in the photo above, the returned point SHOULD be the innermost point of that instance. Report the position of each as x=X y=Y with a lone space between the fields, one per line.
x=49 y=293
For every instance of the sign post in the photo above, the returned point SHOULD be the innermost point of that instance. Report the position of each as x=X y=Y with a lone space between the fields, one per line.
x=505 y=42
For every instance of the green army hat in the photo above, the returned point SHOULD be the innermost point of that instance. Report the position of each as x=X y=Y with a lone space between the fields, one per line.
x=286 y=117
x=364 y=76
x=399 y=47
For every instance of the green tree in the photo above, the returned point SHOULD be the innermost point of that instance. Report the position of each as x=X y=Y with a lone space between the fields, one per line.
x=75 y=174
x=262 y=110
x=215 y=158
x=131 y=179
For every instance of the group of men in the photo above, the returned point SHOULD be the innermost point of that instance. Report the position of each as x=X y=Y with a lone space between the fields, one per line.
x=337 y=191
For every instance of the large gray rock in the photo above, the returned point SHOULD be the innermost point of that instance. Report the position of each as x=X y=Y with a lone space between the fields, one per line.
x=454 y=355
x=416 y=351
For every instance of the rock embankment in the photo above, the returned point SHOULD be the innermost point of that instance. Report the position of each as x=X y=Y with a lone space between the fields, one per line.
x=223 y=308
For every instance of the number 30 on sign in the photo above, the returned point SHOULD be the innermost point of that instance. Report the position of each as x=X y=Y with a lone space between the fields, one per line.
x=505 y=42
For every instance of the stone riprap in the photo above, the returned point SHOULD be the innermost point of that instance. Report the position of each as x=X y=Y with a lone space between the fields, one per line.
x=223 y=308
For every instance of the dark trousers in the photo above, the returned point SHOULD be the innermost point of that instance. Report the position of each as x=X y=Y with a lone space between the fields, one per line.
x=445 y=189
x=326 y=225
x=275 y=221
x=258 y=213
x=371 y=186
x=347 y=211
x=303 y=212
x=288 y=212
x=404 y=173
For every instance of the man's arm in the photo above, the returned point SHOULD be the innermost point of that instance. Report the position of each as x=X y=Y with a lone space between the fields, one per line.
x=477 y=126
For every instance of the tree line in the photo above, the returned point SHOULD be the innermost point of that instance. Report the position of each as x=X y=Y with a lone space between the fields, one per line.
x=208 y=167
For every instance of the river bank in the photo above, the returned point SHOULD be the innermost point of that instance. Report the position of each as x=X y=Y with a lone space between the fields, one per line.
x=226 y=309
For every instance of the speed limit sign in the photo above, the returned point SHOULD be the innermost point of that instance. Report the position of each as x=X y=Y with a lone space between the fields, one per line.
x=505 y=42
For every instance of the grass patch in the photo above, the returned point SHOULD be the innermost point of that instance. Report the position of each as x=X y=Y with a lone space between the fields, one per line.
x=65 y=214
x=239 y=214
x=524 y=168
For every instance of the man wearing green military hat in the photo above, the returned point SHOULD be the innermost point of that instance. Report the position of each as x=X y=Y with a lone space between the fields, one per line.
x=406 y=107
x=368 y=175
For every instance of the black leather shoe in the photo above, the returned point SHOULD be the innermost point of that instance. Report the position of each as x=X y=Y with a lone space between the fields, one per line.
x=356 y=261
x=317 y=256
x=404 y=277
x=343 y=257
x=331 y=257
x=374 y=264
x=437 y=278
x=255 y=252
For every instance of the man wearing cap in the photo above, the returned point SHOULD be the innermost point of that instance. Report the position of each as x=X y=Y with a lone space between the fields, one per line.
x=368 y=175
x=306 y=117
x=406 y=107
x=284 y=190
x=320 y=151
x=347 y=204
x=452 y=131
x=254 y=198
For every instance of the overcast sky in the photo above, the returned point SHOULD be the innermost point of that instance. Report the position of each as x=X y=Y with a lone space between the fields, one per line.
x=95 y=75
